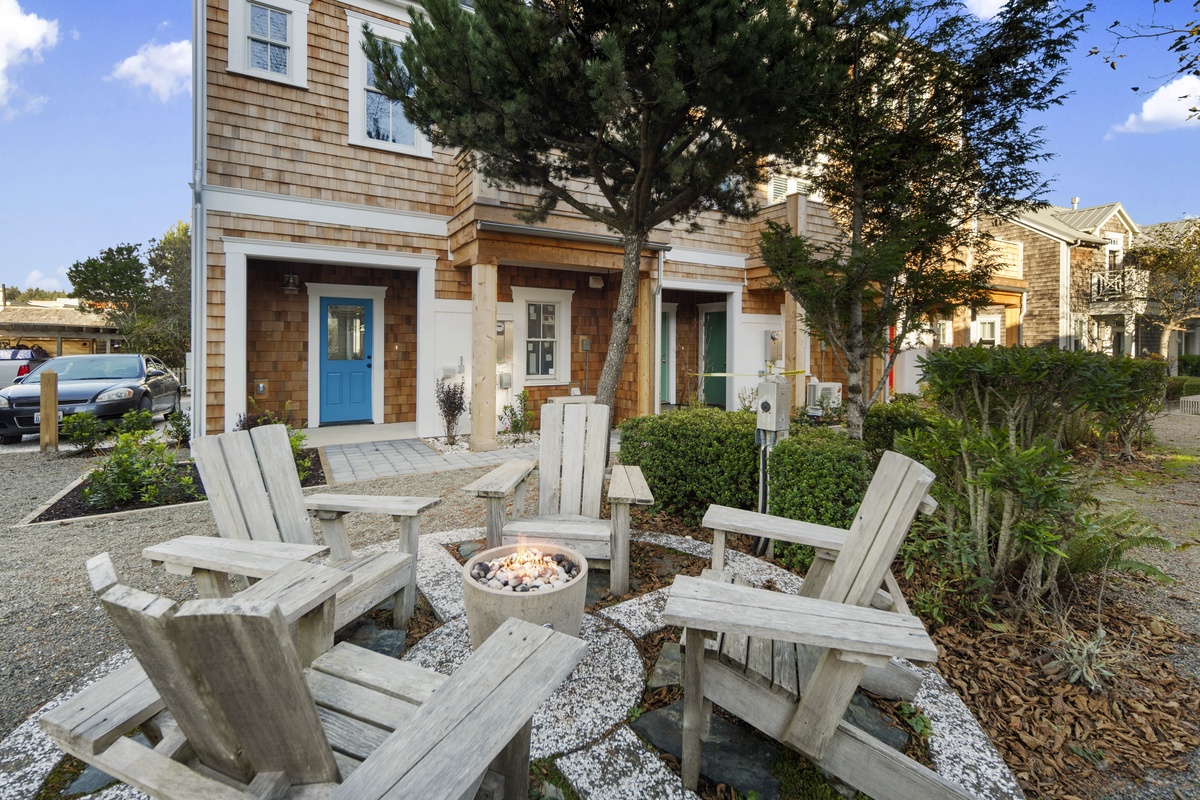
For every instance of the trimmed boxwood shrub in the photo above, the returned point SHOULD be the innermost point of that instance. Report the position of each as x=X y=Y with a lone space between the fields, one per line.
x=1189 y=366
x=1191 y=386
x=694 y=457
x=819 y=475
x=1175 y=388
x=885 y=420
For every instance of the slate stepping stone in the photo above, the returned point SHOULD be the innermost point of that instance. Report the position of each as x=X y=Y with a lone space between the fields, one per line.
x=666 y=669
x=730 y=754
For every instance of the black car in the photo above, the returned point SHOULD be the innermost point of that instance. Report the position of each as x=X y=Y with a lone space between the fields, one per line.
x=104 y=385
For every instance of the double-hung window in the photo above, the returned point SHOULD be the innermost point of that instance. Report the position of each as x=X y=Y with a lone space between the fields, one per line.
x=376 y=121
x=268 y=38
x=542 y=336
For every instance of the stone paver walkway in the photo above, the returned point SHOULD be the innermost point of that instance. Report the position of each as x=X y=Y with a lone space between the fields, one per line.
x=368 y=460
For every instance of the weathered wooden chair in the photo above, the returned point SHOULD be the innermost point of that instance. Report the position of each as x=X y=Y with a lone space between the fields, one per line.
x=571 y=467
x=789 y=665
x=219 y=688
x=254 y=492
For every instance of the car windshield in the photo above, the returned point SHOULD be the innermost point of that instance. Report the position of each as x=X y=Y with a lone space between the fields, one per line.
x=90 y=368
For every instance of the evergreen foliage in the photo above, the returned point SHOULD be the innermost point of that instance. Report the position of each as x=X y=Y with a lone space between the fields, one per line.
x=926 y=134
x=634 y=113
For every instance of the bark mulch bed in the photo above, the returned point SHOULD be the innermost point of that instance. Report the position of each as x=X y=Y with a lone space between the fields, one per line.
x=73 y=504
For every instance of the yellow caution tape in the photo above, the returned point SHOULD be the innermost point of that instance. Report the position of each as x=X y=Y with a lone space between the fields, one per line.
x=741 y=374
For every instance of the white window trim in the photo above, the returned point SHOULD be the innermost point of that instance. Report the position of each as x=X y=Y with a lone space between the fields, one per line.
x=1116 y=244
x=977 y=325
x=239 y=33
x=357 y=134
x=522 y=296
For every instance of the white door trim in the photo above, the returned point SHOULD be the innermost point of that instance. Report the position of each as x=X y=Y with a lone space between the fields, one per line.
x=670 y=310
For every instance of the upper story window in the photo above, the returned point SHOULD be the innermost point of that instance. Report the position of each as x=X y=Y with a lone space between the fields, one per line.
x=1115 y=251
x=376 y=121
x=268 y=38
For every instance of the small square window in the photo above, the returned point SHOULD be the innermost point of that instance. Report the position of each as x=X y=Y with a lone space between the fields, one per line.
x=267 y=39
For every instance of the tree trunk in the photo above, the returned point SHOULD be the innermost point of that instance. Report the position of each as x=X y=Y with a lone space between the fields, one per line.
x=622 y=319
x=1164 y=348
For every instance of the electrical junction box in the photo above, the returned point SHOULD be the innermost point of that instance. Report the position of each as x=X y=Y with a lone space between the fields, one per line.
x=774 y=345
x=774 y=404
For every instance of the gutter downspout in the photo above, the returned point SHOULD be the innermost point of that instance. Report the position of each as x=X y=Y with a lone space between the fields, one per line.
x=199 y=345
x=658 y=337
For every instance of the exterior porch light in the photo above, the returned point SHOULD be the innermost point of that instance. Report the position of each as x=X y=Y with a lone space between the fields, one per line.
x=291 y=283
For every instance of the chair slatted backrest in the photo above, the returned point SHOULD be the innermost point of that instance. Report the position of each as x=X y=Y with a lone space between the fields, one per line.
x=252 y=486
x=574 y=449
x=883 y=520
x=228 y=672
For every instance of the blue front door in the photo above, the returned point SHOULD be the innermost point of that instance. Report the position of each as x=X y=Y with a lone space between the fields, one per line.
x=345 y=360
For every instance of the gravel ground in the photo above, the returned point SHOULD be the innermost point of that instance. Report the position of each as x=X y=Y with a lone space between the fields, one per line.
x=53 y=633
x=52 y=630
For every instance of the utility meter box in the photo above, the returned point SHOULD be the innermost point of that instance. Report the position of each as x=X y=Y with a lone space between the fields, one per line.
x=773 y=405
x=773 y=350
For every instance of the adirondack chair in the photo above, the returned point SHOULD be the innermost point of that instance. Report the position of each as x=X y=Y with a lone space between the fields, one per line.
x=574 y=448
x=254 y=492
x=221 y=689
x=790 y=664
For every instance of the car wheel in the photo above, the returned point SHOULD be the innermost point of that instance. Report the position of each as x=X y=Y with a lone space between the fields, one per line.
x=176 y=406
x=11 y=439
x=145 y=404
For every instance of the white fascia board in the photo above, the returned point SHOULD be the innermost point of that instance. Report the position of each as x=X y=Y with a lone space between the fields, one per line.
x=264 y=204
x=712 y=258
x=327 y=254
x=391 y=9
x=721 y=287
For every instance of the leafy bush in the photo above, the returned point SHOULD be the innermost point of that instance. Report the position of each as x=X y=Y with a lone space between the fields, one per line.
x=1191 y=386
x=135 y=422
x=452 y=403
x=1189 y=366
x=1126 y=396
x=1175 y=388
x=885 y=420
x=694 y=457
x=517 y=418
x=817 y=475
x=141 y=470
x=179 y=428
x=85 y=431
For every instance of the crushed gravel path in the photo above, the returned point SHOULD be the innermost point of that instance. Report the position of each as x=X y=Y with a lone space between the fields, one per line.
x=52 y=630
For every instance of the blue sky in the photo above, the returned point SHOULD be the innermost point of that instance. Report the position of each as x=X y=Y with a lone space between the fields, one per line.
x=95 y=113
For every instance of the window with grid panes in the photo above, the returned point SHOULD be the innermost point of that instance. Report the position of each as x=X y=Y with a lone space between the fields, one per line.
x=540 y=341
x=385 y=118
x=269 y=46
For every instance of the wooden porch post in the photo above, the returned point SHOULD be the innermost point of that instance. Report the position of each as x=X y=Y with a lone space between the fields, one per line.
x=483 y=355
x=645 y=344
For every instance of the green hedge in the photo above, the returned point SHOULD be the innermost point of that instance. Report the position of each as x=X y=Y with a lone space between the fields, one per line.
x=1191 y=386
x=693 y=458
x=819 y=475
x=885 y=420
x=1189 y=366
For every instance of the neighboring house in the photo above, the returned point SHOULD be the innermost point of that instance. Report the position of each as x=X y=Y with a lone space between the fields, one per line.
x=343 y=265
x=1185 y=341
x=1079 y=295
x=59 y=329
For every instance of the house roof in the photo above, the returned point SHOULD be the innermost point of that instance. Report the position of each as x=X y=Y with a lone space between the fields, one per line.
x=1047 y=222
x=1167 y=230
x=30 y=317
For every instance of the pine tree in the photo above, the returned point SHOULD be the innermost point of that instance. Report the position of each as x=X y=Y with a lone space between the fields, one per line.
x=666 y=109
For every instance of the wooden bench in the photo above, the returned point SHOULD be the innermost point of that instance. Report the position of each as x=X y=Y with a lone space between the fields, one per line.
x=219 y=687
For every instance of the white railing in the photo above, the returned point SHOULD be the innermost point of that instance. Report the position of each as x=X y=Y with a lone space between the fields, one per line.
x=1123 y=284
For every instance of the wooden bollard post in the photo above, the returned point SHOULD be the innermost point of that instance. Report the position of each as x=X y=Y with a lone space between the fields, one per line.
x=49 y=411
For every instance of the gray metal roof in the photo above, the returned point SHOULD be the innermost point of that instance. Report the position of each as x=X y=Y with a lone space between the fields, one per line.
x=1087 y=219
x=1048 y=220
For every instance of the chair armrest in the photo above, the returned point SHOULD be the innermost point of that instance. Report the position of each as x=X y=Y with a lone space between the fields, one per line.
x=502 y=480
x=370 y=504
x=298 y=588
x=736 y=520
x=712 y=606
x=628 y=485
x=100 y=714
x=231 y=556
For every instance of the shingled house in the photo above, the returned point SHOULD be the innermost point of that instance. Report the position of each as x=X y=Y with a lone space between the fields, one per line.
x=343 y=265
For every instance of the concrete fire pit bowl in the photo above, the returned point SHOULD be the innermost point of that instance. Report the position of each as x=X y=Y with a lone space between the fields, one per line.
x=560 y=606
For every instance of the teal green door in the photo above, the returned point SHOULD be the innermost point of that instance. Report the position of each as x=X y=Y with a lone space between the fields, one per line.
x=664 y=377
x=714 y=357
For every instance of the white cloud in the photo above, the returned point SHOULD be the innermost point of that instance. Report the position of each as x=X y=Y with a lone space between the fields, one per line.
x=37 y=279
x=23 y=37
x=985 y=9
x=1166 y=109
x=166 y=69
